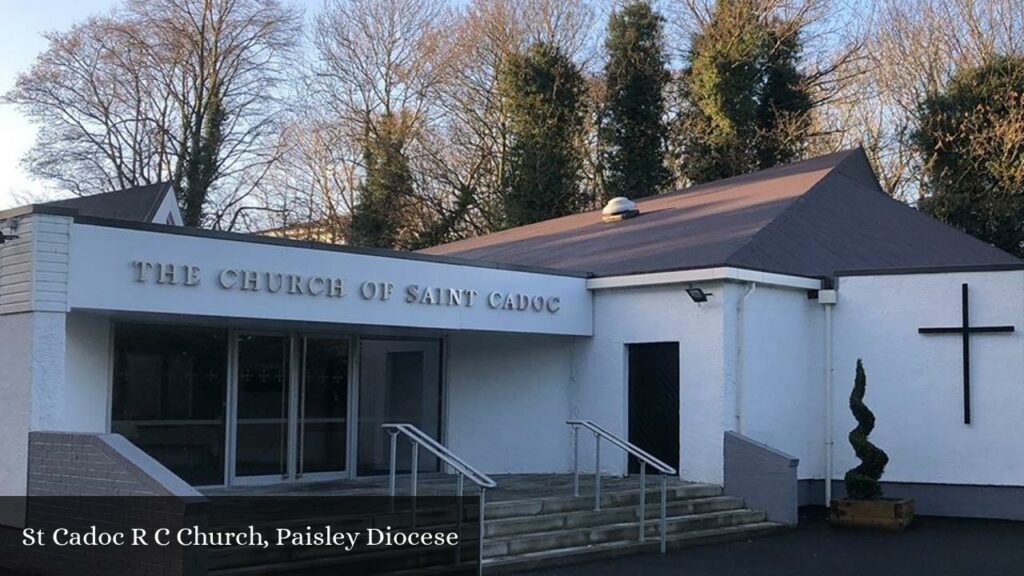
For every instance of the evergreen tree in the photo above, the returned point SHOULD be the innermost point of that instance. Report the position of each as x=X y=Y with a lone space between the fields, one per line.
x=746 y=105
x=543 y=92
x=633 y=132
x=971 y=139
x=379 y=216
x=862 y=481
x=197 y=170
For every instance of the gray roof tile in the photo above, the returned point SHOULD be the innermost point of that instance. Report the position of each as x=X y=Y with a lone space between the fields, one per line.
x=811 y=218
x=137 y=204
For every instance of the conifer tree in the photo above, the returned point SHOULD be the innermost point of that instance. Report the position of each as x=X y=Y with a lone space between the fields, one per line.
x=633 y=131
x=378 y=218
x=747 y=106
x=543 y=92
x=971 y=140
x=862 y=481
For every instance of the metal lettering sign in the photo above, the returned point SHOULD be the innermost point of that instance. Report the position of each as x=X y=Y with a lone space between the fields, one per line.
x=327 y=286
x=197 y=275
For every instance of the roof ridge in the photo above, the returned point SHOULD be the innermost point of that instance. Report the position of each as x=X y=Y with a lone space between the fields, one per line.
x=786 y=213
x=821 y=187
x=714 y=185
x=904 y=205
x=778 y=167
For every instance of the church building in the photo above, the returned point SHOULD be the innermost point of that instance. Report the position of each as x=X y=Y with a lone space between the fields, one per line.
x=733 y=311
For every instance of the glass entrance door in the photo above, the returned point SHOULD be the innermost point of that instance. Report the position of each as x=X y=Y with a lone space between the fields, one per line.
x=399 y=381
x=291 y=404
x=262 y=391
x=323 y=407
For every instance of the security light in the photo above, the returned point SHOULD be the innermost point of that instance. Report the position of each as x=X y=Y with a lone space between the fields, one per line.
x=12 y=227
x=698 y=295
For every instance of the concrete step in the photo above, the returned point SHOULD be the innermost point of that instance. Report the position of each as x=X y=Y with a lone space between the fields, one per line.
x=235 y=557
x=585 y=501
x=552 y=521
x=624 y=531
x=522 y=562
x=239 y=512
x=351 y=521
x=534 y=526
x=594 y=552
x=392 y=562
x=521 y=533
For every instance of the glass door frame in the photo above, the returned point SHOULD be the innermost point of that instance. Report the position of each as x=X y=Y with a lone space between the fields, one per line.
x=353 y=372
x=296 y=377
x=354 y=384
x=296 y=367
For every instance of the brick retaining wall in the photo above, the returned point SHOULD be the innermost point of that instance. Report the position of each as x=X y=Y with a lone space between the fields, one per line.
x=80 y=480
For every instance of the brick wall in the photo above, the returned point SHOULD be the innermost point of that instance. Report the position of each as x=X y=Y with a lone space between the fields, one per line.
x=81 y=480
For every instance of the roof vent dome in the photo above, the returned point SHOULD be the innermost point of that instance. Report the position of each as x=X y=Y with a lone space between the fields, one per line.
x=619 y=208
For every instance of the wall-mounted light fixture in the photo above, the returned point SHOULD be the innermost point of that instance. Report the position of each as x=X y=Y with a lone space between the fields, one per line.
x=698 y=295
x=12 y=226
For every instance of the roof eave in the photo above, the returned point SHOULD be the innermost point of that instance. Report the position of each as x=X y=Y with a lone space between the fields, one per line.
x=712 y=274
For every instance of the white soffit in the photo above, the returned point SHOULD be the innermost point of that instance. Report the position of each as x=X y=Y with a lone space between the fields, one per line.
x=704 y=275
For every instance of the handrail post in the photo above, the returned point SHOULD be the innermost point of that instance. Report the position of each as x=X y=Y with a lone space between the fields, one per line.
x=664 y=512
x=597 y=471
x=643 y=457
x=394 y=448
x=643 y=499
x=458 y=503
x=575 y=460
x=480 y=542
x=415 y=465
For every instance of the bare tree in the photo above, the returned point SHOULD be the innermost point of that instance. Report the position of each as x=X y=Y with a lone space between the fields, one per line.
x=312 y=188
x=911 y=50
x=376 y=60
x=179 y=90
x=98 y=107
x=474 y=128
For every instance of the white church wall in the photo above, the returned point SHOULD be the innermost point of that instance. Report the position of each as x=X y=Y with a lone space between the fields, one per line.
x=915 y=383
x=31 y=375
x=507 y=401
x=86 y=397
x=654 y=314
x=782 y=351
x=15 y=389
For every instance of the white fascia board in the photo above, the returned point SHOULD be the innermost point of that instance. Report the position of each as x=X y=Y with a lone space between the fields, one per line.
x=704 y=275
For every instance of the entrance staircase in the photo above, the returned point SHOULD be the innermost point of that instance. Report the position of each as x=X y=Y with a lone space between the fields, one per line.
x=531 y=521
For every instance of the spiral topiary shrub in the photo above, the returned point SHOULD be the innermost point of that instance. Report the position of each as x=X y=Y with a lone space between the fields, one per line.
x=862 y=481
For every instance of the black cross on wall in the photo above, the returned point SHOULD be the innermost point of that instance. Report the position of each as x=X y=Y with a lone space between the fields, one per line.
x=965 y=330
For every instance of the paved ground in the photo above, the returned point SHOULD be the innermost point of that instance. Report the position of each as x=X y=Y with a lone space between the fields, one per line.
x=932 y=547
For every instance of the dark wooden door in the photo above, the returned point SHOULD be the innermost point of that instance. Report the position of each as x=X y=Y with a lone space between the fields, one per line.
x=654 y=401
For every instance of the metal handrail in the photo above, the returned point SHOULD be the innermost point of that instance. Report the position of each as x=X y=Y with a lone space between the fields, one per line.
x=420 y=438
x=645 y=459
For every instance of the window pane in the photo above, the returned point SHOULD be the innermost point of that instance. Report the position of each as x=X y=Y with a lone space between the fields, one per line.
x=262 y=444
x=168 y=397
x=324 y=406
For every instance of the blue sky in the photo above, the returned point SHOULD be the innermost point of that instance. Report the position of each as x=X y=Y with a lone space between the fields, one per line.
x=22 y=24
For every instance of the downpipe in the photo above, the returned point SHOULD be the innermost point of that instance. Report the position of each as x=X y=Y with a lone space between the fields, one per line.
x=740 y=324
x=828 y=299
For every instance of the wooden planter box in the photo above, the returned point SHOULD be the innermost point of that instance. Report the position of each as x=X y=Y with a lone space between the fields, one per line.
x=881 y=514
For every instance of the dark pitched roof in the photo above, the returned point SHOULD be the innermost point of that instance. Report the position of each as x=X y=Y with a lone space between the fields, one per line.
x=137 y=204
x=811 y=218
